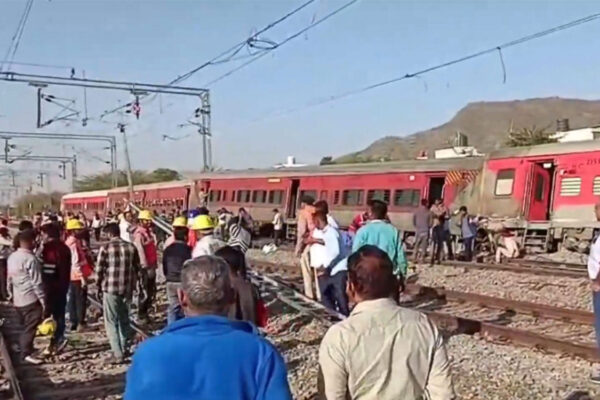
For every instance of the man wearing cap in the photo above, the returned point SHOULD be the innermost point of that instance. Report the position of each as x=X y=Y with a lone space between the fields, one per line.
x=80 y=271
x=145 y=242
x=207 y=243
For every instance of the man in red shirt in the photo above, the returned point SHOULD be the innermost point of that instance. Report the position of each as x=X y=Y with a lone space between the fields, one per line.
x=56 y=277
x=145 y=242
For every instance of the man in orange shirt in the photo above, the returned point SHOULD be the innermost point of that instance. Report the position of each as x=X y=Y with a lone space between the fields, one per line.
x=305 y=226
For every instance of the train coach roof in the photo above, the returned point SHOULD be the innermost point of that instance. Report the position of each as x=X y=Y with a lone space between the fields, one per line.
x=547 y=149
x=151 y=186
x=79 y=195
x=430 y=165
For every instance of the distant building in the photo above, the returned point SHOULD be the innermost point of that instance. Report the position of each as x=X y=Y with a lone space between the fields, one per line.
x=460 y=148
x=578 y=135
x=289 y=163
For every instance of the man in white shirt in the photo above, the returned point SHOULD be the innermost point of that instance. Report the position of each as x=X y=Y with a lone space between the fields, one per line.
x=328 y=258
x=507 y=247
x=593 y=266
x=207 y=243
x=125 y=227
x=277 y=227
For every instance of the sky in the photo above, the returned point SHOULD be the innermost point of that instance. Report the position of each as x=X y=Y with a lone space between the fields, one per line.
x=370 y=41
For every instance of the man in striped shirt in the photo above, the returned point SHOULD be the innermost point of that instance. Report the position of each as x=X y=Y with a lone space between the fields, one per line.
x=118 y=270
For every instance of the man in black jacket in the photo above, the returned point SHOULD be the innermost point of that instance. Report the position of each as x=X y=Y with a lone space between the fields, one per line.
x=174 y=256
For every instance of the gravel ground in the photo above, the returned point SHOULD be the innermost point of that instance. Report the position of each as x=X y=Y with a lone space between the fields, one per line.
x=559 y=292
x=507 y=372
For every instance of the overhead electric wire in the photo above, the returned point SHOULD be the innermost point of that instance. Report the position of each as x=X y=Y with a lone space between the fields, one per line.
x=284 y=41
x=16 y=38
x=237 y=47
x=417 y=74
x=234 y=50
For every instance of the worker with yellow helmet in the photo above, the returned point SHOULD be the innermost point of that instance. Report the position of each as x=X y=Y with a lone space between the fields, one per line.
x=145 y=242
x=80 y=271
x=178 y=222
x=207 y=244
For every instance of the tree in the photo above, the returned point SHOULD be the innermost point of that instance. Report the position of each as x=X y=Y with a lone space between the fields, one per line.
x=529 y=137
x=104 y=180
x=32 y=203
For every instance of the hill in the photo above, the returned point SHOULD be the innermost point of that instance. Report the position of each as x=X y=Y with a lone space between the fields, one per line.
x=486 y=124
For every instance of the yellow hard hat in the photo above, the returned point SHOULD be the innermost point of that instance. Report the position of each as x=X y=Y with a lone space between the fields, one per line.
x=180 y=222
x=203 y=222
x=47 y=327
x=74 y=224
x=145 y=215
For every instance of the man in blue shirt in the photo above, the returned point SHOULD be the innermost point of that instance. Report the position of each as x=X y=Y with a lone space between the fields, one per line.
x=469 y=232
x=381 y=233
x=205 y=355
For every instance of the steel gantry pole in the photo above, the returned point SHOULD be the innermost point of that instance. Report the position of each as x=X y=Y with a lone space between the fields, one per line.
x=111 y=140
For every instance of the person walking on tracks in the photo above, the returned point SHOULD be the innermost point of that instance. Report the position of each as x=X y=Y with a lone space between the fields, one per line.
x=174 y=256
x=382 y=350
x=145 y=242
x=6 y=244
x=25 y=287
x=593 y=266
x=81 y=269
x=381 y=233
x=206 y=355
x=56 y=275
x=422 y=221
x=118 y=271
x=304 y=228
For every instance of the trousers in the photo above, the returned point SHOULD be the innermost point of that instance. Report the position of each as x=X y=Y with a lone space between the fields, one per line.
x=116 y=322
x=468 y=243
x=333 y=292
x=421 y=242
x=30 y=317
x=174 y=310
x=3 y=270
x=56 y=308
x=311 y=288
x=77 y=304
x=149 y=287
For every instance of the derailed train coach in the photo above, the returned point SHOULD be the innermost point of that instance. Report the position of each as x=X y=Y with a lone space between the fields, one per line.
x=545 y=192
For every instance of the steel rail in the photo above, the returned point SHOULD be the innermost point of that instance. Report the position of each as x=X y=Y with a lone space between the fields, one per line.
x=523 y=307
x=9 y=367
x=520 y=268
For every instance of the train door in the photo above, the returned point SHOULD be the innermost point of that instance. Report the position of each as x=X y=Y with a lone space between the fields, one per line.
x=292 y=198
x=436 y=189
x=541 y=175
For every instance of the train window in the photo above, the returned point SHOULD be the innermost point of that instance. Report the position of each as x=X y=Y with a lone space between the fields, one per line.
x=379 y=194
x=407 y=197
x=504 y=182
x=232 y=196
x=275 y=196
x=259 y=196
x=596 y=187
x=323 y=195
x=224 y=195
x=540 y=181
x=311 y=193
x=214 y=196
x=336 y=197
x=570 y=186
x=352 y=197
x=243 y=196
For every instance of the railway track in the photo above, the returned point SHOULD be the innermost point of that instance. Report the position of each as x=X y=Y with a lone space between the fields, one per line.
x=548 y=268
x=546 y=328
x=81 y=371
